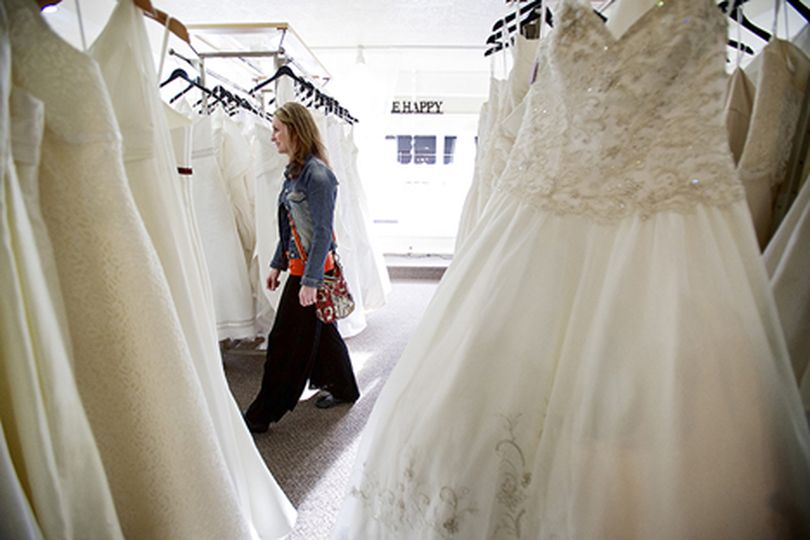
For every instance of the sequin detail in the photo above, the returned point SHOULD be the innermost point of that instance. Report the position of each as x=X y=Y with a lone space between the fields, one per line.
x=609 y=120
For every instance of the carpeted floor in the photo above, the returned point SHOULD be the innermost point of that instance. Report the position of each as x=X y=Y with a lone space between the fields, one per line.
x=311 y=451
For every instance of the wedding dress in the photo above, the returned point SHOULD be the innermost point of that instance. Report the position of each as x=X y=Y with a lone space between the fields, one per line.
x=16 y=516
x=47 y=440
x=181 y=127
x=269 y=166
x=236 y=166
x=374 y=280
x=603 y=359
x=787 y=259
x=783 y=76
x=501 y=134
x=739 y=104
x=487 y=122
x=249 y=126
x=348 y=238
x=230 y=282
x=124 y=55
x=141 y=395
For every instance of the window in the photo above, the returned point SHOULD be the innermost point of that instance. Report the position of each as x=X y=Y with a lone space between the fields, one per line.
x=449 y=149
x=422 y=149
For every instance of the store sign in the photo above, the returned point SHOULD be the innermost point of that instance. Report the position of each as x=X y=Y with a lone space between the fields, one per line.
x=403 y=106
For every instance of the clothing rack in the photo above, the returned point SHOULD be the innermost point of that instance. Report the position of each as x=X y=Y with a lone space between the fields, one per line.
x=230 y=101
x=279 y=38
x=277 y=43
x=192 y=83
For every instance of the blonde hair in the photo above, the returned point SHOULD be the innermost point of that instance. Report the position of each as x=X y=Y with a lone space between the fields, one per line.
x=304 y=135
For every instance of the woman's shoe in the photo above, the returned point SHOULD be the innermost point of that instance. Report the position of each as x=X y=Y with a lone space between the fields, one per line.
x=256 y=427
x=328 y=401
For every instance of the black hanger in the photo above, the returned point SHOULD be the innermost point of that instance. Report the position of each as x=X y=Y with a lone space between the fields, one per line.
x=283 y=71
x=732 y=9
x=496 y=37
x=511 y=16
x=233 y=102
x=740 y=46
x=531 y=12
x=801 y=8
x=230 y=103
x=176 y=74
x=181 y=74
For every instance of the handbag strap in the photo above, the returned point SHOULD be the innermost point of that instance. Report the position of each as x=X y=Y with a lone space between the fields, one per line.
x=299 y=245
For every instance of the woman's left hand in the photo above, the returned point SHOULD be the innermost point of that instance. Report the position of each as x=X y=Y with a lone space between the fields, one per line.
x=306 y=295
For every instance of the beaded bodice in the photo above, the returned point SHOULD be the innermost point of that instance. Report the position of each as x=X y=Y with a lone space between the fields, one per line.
x=615 y=127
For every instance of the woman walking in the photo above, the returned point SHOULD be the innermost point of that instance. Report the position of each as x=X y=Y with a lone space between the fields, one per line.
x=300 y=347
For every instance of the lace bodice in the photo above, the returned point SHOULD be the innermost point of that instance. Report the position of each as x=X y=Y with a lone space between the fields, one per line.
x=629 y=125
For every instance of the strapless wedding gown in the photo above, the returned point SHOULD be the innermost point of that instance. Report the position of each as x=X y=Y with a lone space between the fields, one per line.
x=603 y=359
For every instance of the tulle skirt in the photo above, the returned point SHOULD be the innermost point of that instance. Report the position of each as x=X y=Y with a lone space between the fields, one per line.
x=573 y=379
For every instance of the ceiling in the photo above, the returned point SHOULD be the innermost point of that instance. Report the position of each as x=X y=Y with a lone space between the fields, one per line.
x=330 y=23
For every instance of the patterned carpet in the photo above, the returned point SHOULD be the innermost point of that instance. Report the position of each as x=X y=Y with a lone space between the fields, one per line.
x=311 y=451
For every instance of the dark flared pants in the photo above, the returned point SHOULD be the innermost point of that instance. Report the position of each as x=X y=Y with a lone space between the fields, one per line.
x=299 y=348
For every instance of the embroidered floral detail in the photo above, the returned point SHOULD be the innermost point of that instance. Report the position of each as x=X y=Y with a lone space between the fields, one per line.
x=409 y=506
x=515 y=480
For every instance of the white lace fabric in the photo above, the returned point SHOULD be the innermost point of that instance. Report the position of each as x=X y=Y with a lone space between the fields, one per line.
x=610 y=121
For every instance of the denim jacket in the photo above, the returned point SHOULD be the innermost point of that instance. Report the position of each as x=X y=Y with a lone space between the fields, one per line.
x=310 y=199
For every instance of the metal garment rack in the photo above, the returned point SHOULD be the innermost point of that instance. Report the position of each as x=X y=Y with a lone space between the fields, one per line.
x=290 y=49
